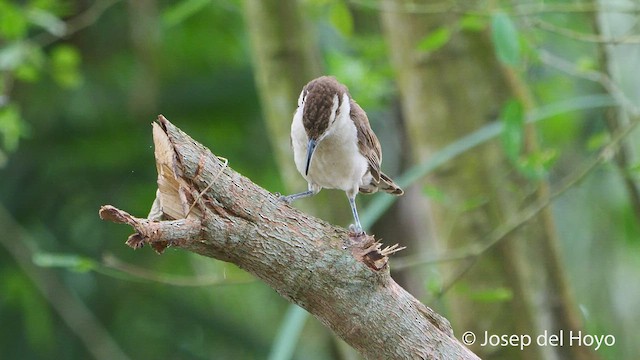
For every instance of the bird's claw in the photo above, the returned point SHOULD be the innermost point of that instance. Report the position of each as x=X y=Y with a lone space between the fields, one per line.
x=283 y=198
x=356 y=230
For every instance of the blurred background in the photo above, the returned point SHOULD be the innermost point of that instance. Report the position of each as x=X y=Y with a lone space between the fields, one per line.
x=508 y=123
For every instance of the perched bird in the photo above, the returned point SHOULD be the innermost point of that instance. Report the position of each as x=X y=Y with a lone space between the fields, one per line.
x=334 y=146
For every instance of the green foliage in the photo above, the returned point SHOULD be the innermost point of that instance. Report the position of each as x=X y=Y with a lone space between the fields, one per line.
x=12 y=127
x=180 y=12
x=586 y=64
x=341 y=18
x=360 y=63
x=380 y=204
x=505 y=39
x=483 y=294
x=512 y=118
x=499 y=294
x=634 y=170
x=474 y=203
x=434 y=194
x=20 y=54
x=24 y=59
x=367 y=84
x=537 y=164
x=473 y=23
x=68 y=261
x=65 y=63
x=90 y=147
x=533 y=165
x=435 y=40
x=13 y=22
x=562 y=128
x=35 y=312
x=434 y=283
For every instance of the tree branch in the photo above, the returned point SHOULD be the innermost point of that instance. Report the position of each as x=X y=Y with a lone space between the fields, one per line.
x=340 y=278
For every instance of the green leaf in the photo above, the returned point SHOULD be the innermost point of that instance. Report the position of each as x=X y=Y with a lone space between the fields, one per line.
x=341 y=18
x=474 y=203
x=435 y=40
x=537 y=164
x=586 y=64
x=434 y=283
x=13 y=22
x=11 y=126
x=28 y=72
x=473 y=23
x=69 y=261
x=65 y=63
x=180 y=12
x=505 y=39
x=634 y=169
x=512 y=118
x=434 y=193
x=499 y=294
x=598 y=140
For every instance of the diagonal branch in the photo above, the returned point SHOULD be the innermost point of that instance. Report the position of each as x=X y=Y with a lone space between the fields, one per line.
x=342 y=279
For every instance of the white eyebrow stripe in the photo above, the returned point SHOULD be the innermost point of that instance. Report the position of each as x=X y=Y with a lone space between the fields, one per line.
x=334 y=107
x=303 y=94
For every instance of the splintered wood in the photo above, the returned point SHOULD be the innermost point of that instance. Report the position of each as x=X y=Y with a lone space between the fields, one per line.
x=172 y=195
x=371 y=252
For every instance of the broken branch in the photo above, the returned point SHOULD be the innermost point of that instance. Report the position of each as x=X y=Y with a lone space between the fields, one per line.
x=340 y=278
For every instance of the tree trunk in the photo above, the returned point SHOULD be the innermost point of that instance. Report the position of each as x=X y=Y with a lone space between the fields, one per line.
x=447 y=94
x=340 y=278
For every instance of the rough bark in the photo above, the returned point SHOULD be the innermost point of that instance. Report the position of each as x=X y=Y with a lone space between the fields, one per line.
x=342 y=279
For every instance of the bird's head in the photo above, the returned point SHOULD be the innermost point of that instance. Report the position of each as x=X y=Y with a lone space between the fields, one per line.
x=321 y=102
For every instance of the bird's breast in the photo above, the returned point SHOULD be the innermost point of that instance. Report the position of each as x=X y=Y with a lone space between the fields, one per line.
x=337 y=162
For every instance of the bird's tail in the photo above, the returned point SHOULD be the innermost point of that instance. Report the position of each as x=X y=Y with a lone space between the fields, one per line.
x=387 y=185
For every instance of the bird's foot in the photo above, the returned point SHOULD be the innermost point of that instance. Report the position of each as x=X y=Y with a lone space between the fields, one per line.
x=356 y=231
x=283 y=198
x=290 y=198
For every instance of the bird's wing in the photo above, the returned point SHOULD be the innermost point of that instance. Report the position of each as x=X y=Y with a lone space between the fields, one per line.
x=368 y=143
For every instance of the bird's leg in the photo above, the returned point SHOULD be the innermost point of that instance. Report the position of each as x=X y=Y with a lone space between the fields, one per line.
x=289 y=198
x=356 y=228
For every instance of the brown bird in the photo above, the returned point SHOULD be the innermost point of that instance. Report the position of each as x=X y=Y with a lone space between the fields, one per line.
x=334 y=146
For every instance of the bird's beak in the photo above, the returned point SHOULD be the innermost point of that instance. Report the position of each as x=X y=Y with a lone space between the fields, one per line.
x=311 y=147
